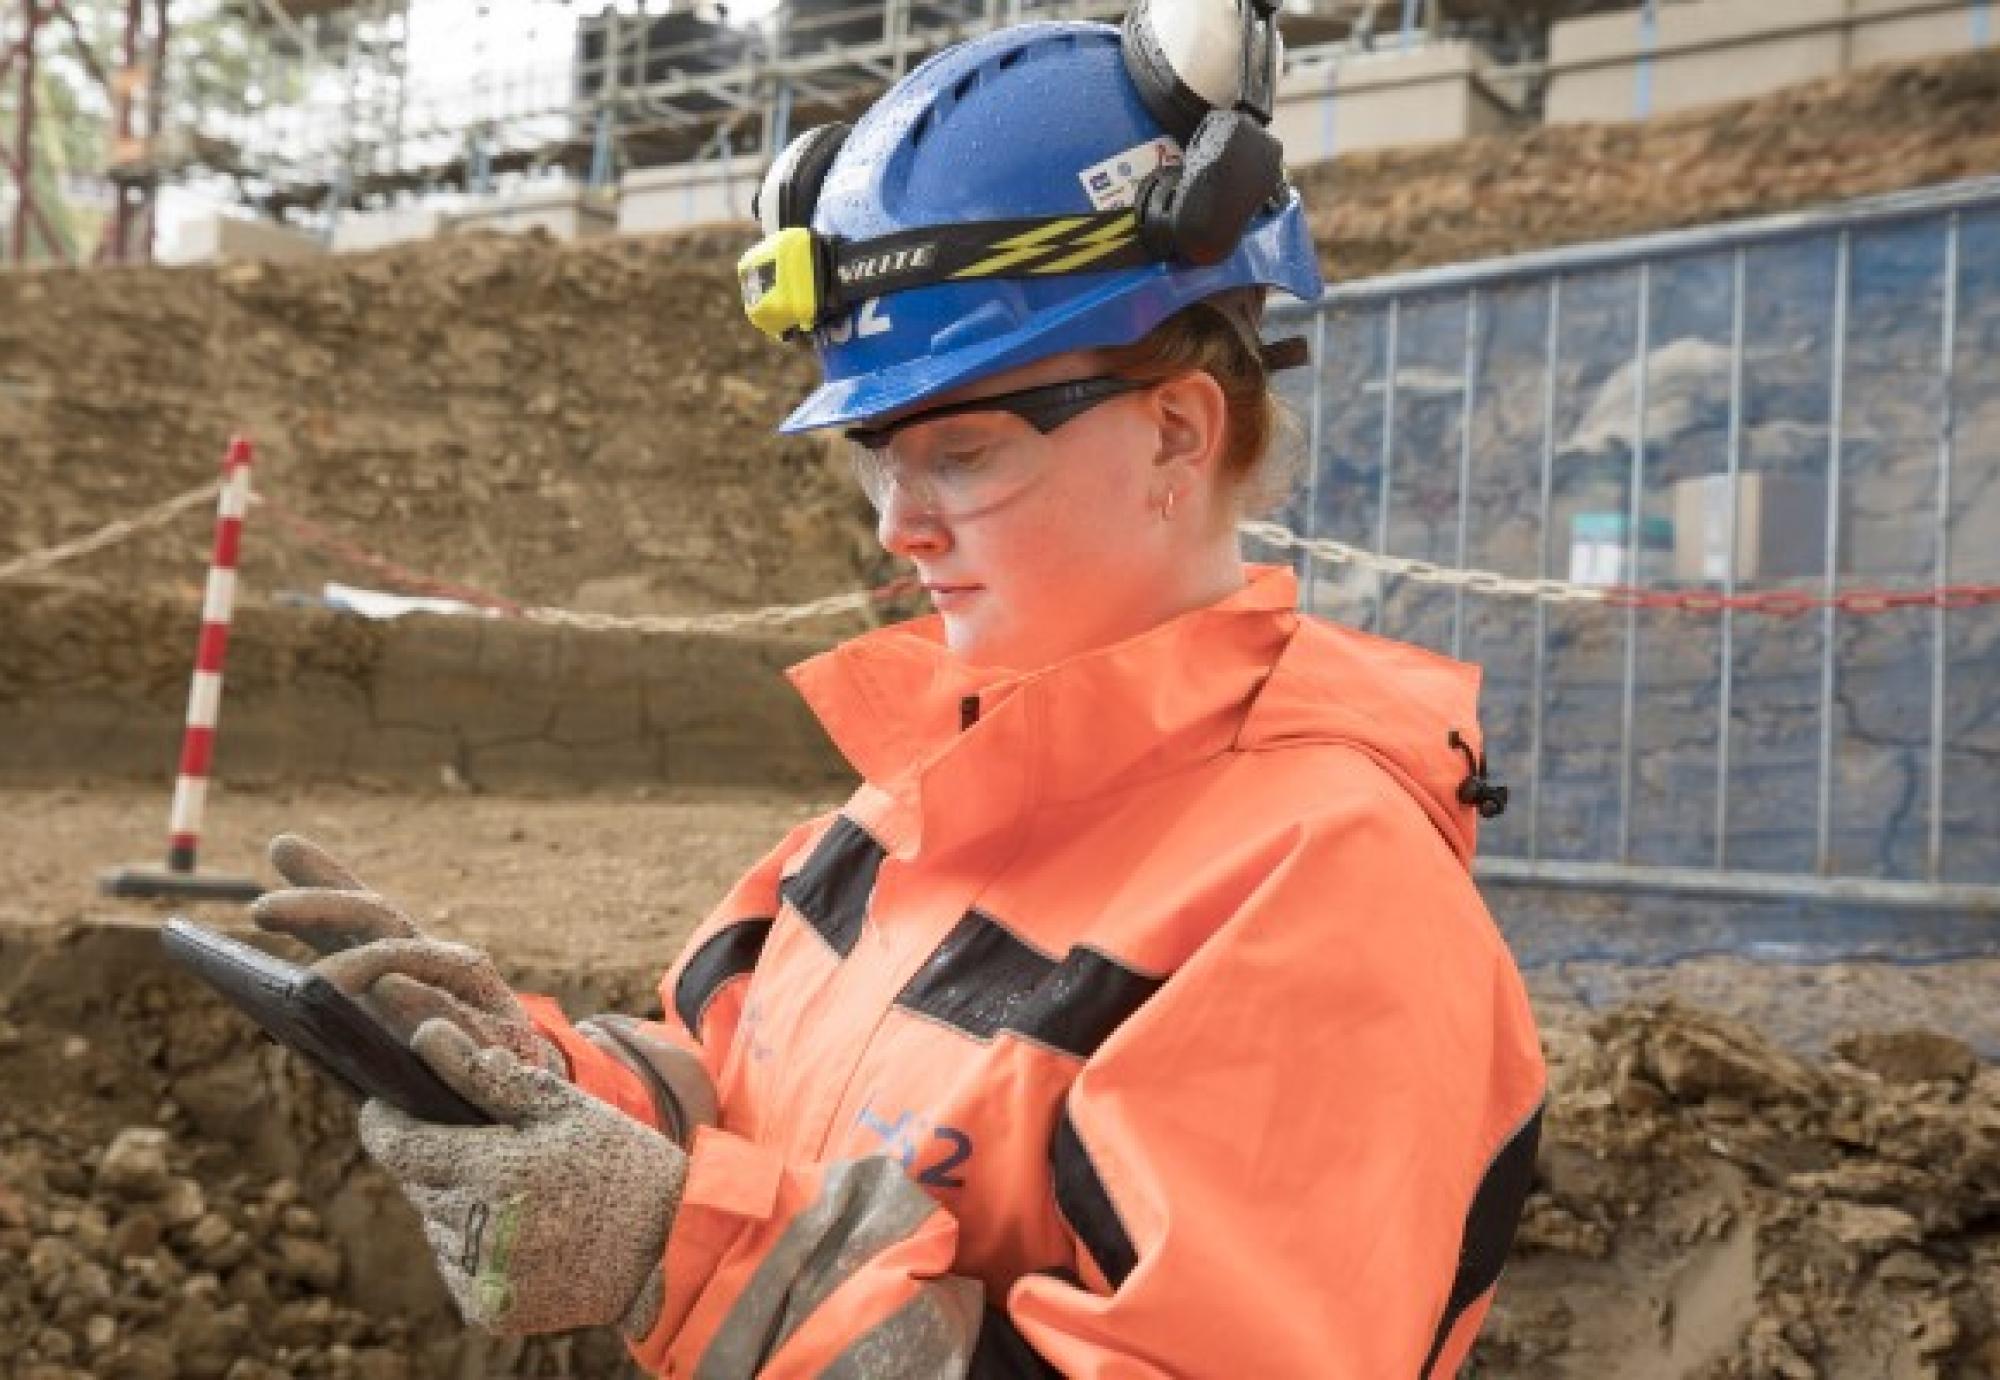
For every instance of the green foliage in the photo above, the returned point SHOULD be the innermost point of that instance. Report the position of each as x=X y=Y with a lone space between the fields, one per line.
x=218 y=67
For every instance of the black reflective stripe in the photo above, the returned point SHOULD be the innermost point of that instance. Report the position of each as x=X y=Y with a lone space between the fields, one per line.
x=831 y=891
x=729 y=953
x=979 y=249
x=1087 y=1206
x=1002 y=1353
x=1489 y=1229
x=984 y=979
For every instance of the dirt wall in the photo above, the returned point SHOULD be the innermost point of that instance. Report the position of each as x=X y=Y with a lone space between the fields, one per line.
x=586 y=426
x=93 y=685
x=192 y=1202
x=592 y=423
x=1883 y=129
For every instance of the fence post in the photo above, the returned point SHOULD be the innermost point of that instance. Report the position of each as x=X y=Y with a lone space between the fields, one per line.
x=1727 y=670
x=1947 y=441
x=1390 y=349
x=1314 y=437
x=1537 y=710
x=1635 y=498
x=1836 y=422
x=1466 y=395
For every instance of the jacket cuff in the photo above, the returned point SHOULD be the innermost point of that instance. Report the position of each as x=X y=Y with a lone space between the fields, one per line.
x=590 y=1068
x=731 y=1189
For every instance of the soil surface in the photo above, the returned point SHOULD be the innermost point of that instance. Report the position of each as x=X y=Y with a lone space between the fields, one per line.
x=614 y=882
x=1709 y=1202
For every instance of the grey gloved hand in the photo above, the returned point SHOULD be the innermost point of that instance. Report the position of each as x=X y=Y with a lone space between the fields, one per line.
x=375 y=953
x=329 y=908
x=555 y=1218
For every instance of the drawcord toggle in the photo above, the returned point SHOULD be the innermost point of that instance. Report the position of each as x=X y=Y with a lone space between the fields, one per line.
x=1483 y=795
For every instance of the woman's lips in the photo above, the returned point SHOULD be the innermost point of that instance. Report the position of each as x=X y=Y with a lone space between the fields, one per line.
x=946 y=597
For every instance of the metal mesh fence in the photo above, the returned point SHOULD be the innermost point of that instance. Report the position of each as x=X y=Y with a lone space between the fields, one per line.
x=1808 y=408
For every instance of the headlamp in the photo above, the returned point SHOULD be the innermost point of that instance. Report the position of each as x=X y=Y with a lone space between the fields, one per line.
x=795 y=280
x=782 y=284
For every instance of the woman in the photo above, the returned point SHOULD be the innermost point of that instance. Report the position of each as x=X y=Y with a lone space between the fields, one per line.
x=1137 y=1016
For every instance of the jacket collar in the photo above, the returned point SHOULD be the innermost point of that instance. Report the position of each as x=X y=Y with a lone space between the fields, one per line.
x=951 y=753
x=1247 y=672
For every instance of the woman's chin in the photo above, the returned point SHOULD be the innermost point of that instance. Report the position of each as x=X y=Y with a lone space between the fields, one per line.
x=972 y=639
x=962 y=637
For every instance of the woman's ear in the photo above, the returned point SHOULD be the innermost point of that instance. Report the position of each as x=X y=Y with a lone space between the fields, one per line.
x=1194 y=426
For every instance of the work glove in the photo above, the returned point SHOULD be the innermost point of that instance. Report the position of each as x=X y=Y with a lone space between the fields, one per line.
x=556 y=1217
x=371 y=950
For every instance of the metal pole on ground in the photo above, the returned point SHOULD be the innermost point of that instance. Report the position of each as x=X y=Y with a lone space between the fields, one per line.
x=204 y=707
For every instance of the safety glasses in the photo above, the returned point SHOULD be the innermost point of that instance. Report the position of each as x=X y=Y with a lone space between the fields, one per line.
x=1044 y=408
x=975 y=460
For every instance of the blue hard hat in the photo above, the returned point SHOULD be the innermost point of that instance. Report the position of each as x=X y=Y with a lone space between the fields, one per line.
x=1031 y=121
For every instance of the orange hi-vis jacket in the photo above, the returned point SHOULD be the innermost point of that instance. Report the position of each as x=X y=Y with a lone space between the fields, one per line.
x=1137 y=1017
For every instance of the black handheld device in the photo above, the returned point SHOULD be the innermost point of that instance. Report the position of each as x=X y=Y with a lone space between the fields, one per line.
x=303 y=1011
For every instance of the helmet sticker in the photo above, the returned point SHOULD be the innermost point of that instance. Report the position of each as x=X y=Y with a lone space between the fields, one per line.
x=1114 y=183
x=869 y=320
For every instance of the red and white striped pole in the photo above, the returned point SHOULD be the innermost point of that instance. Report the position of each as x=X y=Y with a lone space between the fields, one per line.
x=204 y=707
x=205 y=694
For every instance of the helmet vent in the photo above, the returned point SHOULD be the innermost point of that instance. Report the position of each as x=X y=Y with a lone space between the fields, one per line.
x=939 y=111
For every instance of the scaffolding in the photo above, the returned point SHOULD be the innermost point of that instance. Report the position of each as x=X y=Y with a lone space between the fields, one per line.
x=648 y=89
x=330 y=114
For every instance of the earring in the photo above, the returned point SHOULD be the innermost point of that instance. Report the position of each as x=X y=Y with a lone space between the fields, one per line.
x=1167 y=508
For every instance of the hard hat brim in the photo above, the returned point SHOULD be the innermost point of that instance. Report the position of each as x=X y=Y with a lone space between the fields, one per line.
x=1122 y=309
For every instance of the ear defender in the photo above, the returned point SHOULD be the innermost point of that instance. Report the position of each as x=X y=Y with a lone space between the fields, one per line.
x=785 y=276
x=786 y=198
x=1208 y=71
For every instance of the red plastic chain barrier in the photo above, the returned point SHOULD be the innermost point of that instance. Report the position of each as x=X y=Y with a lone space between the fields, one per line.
x=318 y=537
x=314 y=535
x=1776 y=603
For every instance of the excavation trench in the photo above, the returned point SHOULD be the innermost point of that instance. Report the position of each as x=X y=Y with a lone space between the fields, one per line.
x=179 y=1197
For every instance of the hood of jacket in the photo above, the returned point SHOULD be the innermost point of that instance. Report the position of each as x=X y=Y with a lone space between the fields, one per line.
x=952 y=753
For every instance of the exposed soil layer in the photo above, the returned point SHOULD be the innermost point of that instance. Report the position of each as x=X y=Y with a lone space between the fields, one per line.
x=1882 y=129
x=591 y=424
x=95 y=683
x=1708 y=1205
x=179 y=1199
x=583 y=426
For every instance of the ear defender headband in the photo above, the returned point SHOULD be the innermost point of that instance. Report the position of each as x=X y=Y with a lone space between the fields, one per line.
x=1207 y=70
x=1178 y=55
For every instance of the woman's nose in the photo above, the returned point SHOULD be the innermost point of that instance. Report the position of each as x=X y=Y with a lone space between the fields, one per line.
x=906 y=527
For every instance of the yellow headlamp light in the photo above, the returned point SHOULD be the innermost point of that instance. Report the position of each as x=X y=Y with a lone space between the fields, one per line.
x=794 y=280
x=780 y=275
